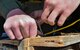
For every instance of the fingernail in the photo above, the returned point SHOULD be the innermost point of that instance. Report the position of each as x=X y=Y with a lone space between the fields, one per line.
x=60 y=23
x=20 y=38
x=51 y=23
x=12 y=38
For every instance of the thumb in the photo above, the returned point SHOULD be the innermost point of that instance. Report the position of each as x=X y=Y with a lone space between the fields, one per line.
x=36 y=14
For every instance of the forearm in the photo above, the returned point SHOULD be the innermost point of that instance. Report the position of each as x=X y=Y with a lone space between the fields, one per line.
x=6 y=6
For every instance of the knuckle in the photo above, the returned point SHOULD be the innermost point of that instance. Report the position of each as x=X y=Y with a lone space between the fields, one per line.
x=59 y=7
x=49 y=20
x=43 y=18
x=66 y=12
x=50 y=2
x=6 y=26
x=33 y=21
x=24 y=24
x=15 y=24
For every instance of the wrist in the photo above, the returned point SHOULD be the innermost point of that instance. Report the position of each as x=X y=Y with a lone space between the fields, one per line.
x=15 y=12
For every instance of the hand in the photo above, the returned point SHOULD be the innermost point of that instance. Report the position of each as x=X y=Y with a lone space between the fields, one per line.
x=18 y=25
x=61 y=8
x=37 y=16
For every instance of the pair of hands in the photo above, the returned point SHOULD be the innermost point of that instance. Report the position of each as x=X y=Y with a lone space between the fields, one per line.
x=19 y=25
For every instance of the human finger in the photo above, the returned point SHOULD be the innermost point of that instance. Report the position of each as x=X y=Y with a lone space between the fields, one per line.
x=33 y=29
x=54 y=14
x=16 y=31
x=9 y=32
